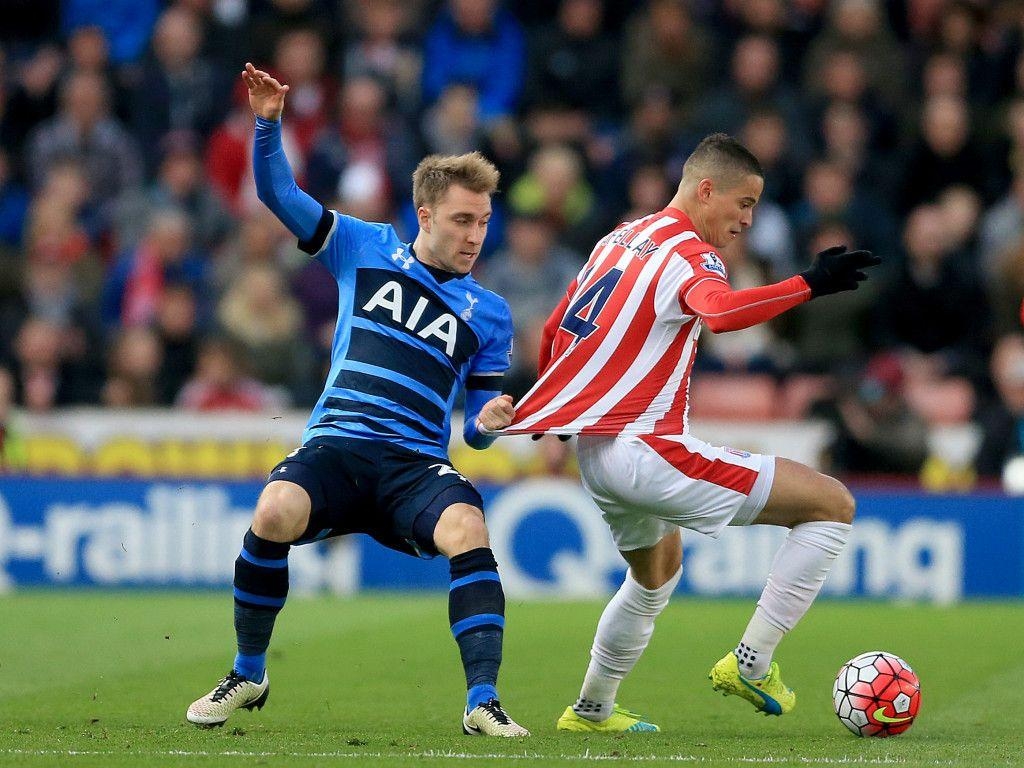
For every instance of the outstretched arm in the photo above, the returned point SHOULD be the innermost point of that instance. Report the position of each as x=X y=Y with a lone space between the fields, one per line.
x=723 y=309
x=275 y=182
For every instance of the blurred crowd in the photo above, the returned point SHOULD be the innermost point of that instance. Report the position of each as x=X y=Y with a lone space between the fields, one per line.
x=137 y=267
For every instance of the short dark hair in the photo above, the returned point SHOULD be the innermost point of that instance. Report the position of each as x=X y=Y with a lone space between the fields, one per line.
x=720 y=156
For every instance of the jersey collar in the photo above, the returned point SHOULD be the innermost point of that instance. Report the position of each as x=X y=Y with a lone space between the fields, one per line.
x=440 y=275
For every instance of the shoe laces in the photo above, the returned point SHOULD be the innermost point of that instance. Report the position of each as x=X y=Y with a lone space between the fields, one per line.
x=493 y=708
x=227 y=685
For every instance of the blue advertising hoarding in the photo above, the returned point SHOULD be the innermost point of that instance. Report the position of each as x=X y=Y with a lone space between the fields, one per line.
x=548 y=539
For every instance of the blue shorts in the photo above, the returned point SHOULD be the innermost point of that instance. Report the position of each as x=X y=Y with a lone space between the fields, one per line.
x=367 y=486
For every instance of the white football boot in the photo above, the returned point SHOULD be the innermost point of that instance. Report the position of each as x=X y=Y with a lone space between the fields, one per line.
x=232 y=692
x=489 y=719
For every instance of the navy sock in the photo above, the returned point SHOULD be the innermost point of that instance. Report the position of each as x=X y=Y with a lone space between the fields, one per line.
x=476 y=612
x=261 y=587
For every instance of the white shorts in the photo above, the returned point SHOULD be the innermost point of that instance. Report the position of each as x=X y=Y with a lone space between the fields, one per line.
x=647 y=485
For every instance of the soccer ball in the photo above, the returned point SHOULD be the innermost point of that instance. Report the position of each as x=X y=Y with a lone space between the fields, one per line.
x=876 y=694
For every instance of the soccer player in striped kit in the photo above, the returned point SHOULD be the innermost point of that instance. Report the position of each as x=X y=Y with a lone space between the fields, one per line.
x=615 y=363
x=414 y=328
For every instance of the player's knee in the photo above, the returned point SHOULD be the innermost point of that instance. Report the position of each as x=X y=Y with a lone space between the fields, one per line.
x=841 y=506
x=282 y=513
x=460 y=529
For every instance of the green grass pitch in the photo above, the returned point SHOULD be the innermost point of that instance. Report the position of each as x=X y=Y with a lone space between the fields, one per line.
x=100 y=679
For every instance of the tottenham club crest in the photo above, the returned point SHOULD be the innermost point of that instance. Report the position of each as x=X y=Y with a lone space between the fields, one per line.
x=713 y=263
x=399 y=257
x=467 y=313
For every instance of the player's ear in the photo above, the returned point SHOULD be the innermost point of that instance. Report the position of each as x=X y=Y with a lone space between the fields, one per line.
x=704 y=189
x=423 y=217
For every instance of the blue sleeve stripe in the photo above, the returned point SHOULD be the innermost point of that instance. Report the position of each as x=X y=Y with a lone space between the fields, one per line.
x=405 y=359
x=249 y=597
x=474 y=577
x=263 y=562
x=480 y=620
x=378 y=413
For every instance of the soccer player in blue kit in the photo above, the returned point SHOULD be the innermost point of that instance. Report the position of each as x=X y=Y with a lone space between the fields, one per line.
x=413 y=328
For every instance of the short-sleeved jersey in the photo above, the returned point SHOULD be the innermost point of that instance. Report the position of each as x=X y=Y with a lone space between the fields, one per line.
x=621 y=358
x=407 y=340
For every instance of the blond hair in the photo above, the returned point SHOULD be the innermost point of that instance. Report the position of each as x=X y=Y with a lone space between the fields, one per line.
x=436 y=173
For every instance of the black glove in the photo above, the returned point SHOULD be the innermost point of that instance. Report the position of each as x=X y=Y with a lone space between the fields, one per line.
x=836 y=269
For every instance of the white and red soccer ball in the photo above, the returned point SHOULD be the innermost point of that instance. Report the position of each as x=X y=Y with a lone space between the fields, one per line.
x=876 y=694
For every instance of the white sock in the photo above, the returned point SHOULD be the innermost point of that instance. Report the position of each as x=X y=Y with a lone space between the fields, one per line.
x=798 y=571
x=622 y=634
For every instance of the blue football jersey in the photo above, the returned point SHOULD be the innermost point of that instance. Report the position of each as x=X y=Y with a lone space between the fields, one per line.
x=407 y=339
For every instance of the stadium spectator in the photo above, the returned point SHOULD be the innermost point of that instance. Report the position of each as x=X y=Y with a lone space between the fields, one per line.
x=301 y=59
x=846 y=141
x=177 y=326
x=181 y=184
x=367 y=152
x=451 y=125
x=127 y=24
x=382 y=46
x=766 y=133
x=875 y=430
x=830 y=194
x=259 y=314
x=32 y=100
x=260 y=239
x=136 y=281
x=133 y=366
x=615 y=362
x=13 y=205
x=477 y=43
x=59 y=291
x=845 y=81
x=85 y=131
x=648 y=137
x=555 y=187
x=1002 y=417
x=665 y=50
x=943 y=155
x=178 y=89
x=858 y=26
x=935 y=304
x=755 y=83
x=1002 y=226
x=220 y=382
x=271 y=20
x=573 y=65
x=1005 y=286
x=43 y=379
x=374 y=457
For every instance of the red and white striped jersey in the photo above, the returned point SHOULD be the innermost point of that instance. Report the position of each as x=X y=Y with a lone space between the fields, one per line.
x=623 y=341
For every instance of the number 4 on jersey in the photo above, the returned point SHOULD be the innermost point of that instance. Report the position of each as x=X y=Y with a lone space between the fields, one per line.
x=579 y=319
